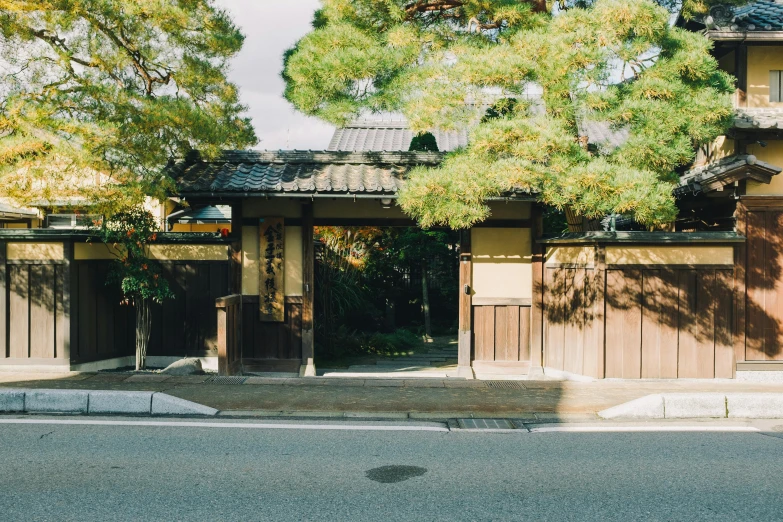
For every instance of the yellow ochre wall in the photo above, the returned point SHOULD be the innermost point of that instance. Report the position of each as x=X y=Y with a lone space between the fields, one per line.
x=502 y=262
x=35 y=251
x=93 y=251
x=583 y=256
x=670 y=255
x=200 y=227
x=292 y=255
x=772 y=154
x=761 y=60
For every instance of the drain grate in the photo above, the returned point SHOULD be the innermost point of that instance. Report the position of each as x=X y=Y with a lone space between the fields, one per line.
x=505 y=385
x=227 y=379
x=485 y=424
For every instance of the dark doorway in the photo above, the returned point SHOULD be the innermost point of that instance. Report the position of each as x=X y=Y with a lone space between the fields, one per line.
x=384 y=294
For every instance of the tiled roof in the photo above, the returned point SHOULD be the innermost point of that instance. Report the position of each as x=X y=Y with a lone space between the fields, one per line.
x=759 y=118
x=764 y=15
x=329 y=172
x=756 y=20
x=716 y=175
x=369 y=135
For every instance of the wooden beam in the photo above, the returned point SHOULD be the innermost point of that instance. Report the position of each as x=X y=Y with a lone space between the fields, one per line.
x=599 y=311
x=307 y=369
x=465 y=334
x=740 y=290
x=537 y=309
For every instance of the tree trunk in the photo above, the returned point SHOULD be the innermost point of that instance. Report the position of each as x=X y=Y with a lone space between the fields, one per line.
x=143 y=326
x=425 y=301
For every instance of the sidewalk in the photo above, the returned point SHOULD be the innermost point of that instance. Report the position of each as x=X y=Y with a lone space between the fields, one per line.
x=415 y=398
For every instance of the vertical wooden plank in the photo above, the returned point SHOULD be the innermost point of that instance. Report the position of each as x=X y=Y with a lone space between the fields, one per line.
x=632 y=326
x=554 y=317
x=70 y=325
x=501 y=334
x=484 y=330
x=740 y=297
x=294 y=327
x=773 y=331
x=19 y=311
x=512 y=337
x=755 y=306
x=59 y=318
x=687 y=358
x=537 y=319
x=465 y=320
x=668 y=321
x=524 y=333
x=3 y=302
x=725 y=363
x=308 y=299
x=104 y=320
x=706 y=300
x=86 y=316
x=652 y=290
x=596 y=355
x=573 y=358
x=271 y=267
x=42 y=311
x=624 y=321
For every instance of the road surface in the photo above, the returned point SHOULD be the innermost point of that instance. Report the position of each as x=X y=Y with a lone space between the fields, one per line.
x=191 y=470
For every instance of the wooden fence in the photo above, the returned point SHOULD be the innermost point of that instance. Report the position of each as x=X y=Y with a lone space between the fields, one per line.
x=60 y=311
x=668 y=318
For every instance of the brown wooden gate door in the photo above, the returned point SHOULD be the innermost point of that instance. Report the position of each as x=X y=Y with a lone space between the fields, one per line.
x=760 y=219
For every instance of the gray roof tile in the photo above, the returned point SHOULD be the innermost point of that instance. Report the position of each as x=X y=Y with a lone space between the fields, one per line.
x=372 y=135
x=714 y=176
x=759 y=118
x=300 y=172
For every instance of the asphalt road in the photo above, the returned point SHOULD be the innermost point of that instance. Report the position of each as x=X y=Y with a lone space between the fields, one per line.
x=122 y=472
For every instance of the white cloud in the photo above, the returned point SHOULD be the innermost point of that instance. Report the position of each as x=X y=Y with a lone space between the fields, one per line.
x=271 y=27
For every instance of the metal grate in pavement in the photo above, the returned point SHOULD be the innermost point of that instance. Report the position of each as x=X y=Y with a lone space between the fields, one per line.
x=505 y=385
x=485 y=424
x=227 y=379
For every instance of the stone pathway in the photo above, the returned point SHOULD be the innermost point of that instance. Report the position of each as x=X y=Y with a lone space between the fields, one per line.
x=438 y=363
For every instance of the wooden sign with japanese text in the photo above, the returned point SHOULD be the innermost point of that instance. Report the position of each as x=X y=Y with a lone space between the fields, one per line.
x=271 y=265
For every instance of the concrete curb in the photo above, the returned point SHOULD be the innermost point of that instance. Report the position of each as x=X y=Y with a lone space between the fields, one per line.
x=699 y=406
x=14 y=400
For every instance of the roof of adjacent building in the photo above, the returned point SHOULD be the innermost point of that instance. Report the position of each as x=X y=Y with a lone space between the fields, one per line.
x=8 y=211
x=760 y=20
x=714 y=176
x=758 y=118
x=207 y=214
x=378 y=135
x=603 y=135
x=305 y=172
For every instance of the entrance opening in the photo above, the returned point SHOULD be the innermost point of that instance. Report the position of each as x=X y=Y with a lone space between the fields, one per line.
x=386 y=301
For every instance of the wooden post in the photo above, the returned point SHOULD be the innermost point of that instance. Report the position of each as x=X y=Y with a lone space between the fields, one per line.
x=537 y=306
x=307 y=369
x=465 y=335
x=741 y=73
x=3 y=303
x=66 y=336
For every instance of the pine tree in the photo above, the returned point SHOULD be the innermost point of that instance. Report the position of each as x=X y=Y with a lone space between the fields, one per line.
x=110 y=90
x=443 y=62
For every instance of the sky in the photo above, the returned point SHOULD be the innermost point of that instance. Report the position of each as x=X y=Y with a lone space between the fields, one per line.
x=271 y=27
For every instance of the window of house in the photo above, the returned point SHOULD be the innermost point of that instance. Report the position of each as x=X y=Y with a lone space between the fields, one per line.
x=775 y=86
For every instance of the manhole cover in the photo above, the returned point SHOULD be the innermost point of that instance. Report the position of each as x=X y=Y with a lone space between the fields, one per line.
x=504 y=385
x=485 y=424
x=226 y=379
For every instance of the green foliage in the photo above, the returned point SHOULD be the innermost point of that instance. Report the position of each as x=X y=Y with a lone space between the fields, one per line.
x=109 y=91
x=424 y=142
x=441 y=63
x=128 y=234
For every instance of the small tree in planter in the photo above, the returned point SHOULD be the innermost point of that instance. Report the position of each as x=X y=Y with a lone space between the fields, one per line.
x=128 y=234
